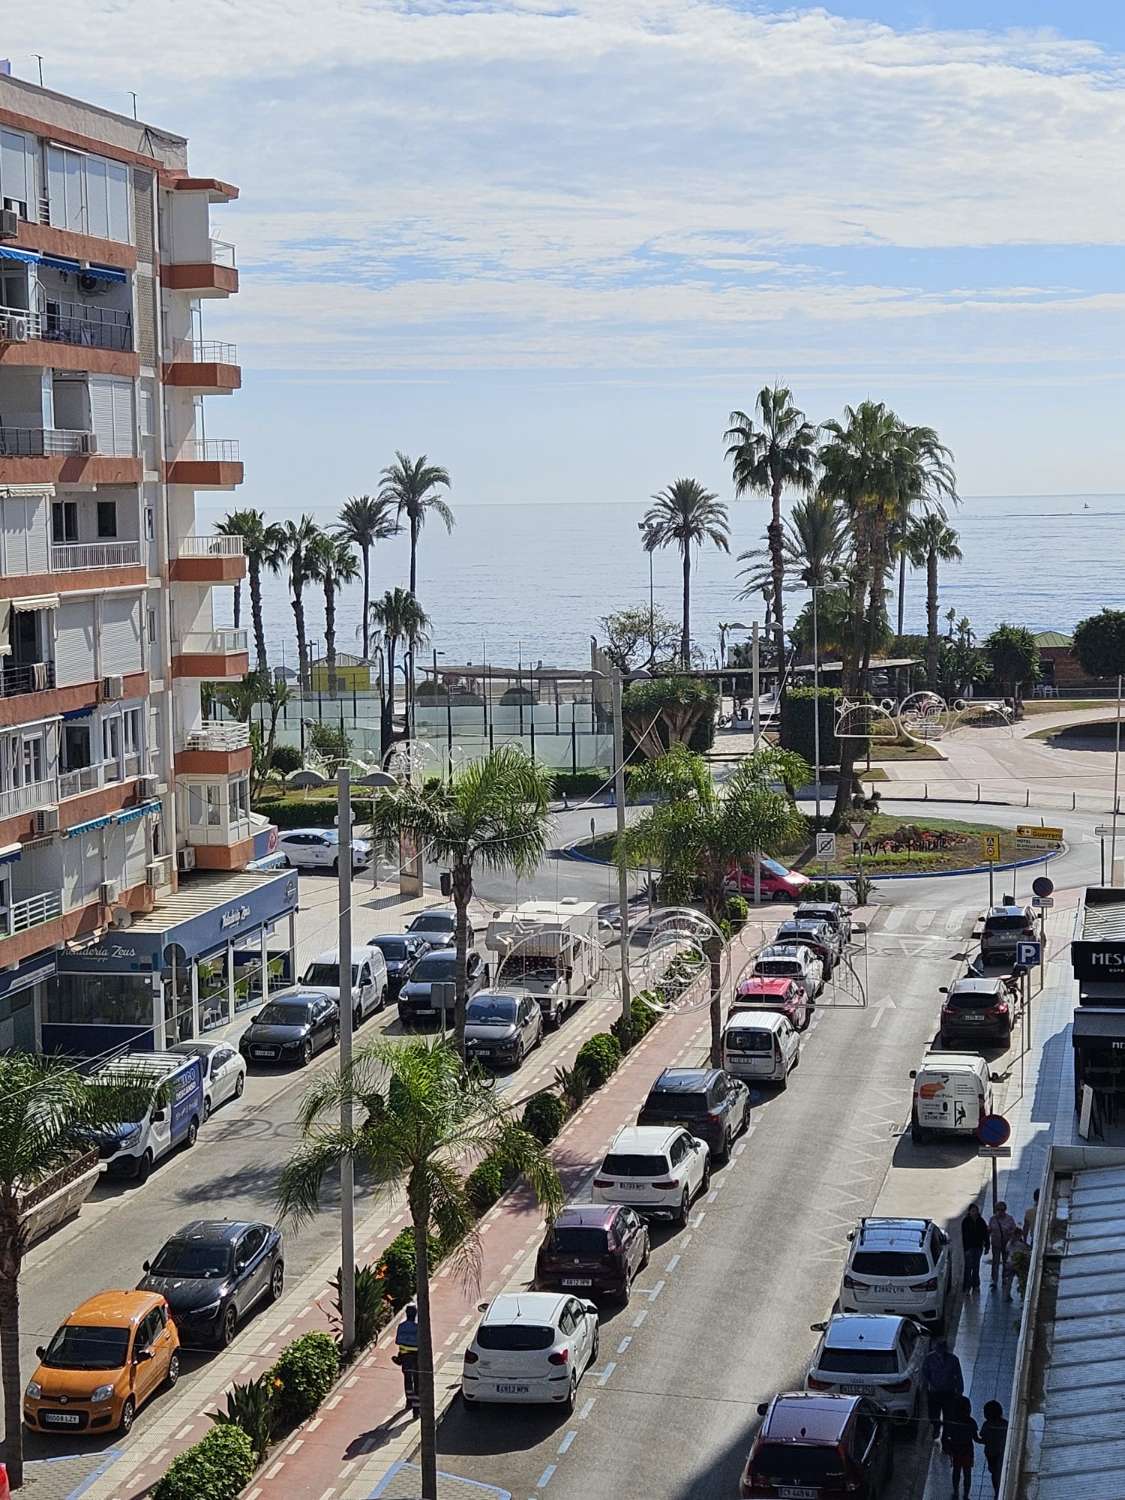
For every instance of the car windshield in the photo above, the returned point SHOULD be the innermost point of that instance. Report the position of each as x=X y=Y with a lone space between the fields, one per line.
x=859 y=1361
x=674 y=1103
x=966 y=1000
x=889 y=1263
x=435 y=966
x=777 y=966
x=282 y=1013
x=75 y=1347
x=580 y=1239
x=619 y=1164
x=749 y=1041
x=518 y=1336
x=799 y=1464
x=1006 y=923
x=394 y=949
x=192 y=1258
x=432 y=921
x=772 y=866
x=325 y=974
x=495 y=1010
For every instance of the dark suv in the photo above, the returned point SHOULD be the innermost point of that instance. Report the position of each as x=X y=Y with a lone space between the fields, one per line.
x=707 y=1101
x=1004 y=927
x=833 y=1447
x=593 y=1247
x=976 y=1010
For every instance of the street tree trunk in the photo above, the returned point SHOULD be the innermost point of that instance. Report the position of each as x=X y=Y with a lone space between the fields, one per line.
x=713 y=948
x=388 y=725
x=302 y=642
x=420 y=1218
x=685 y=634
x=462 y=895
x=330 y=634
x=414 y=556
x=901 y=587
x=851 y=676
x=11 y=1258
x=255 y=569
x=775 y=535
x=365 y=552
x=237 y=605
x=931 y=621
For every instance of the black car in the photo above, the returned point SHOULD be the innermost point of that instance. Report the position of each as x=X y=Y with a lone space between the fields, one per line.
x=437 y=927
x=417 y=1003
x=212 y=1273
x=707 y=1101
x=401 y=952
x=501 y=1029
x=291 y=1028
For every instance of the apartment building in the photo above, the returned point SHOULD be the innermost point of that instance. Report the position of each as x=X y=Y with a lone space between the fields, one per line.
x=114 y=789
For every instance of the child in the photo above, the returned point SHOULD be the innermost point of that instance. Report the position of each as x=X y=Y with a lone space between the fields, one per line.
x=994 y=1435
x=958 y=1439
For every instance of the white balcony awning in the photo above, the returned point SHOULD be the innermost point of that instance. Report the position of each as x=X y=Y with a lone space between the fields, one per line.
x=37 y=601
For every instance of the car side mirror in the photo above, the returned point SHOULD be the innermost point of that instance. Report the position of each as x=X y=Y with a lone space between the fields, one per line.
x=943 y=989
x=144 y=1265
x=763 y=1408
x=817 y=1327
x=590 y=1307
x=40 y=1351
x=482 y=1307
x=996 y=1078
x=158 y=1115
x=913 y=1073
x=141 y=1356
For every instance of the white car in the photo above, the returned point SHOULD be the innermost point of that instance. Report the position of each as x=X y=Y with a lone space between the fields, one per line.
x=898 y=1266
x=791 y=961
x=319 y=849
x=878 y=1356
x=224 y=1071
x=760 y=1046
x=530 y=1347
x=656 y=1169
x=370 y=984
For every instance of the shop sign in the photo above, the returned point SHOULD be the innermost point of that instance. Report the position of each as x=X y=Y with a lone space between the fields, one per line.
x=235 y=917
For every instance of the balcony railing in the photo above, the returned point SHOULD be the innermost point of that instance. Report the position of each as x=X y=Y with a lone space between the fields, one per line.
x=44 y=442
x=22 y=799
x=101 y=773
x=191 y=352
x=219 y=734
x=26 y=677
x=207 y=451
x=222 y=253
x=209 y=546
x=92 y=327
x=32 y=912
x=69 y=556
x=212 y=643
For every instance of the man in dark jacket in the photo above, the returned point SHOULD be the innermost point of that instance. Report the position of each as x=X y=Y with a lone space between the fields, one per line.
x=974 y=1242
x=941 y=1375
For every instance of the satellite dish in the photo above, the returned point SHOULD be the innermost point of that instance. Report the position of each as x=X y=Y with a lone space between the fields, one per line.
x=120 y=917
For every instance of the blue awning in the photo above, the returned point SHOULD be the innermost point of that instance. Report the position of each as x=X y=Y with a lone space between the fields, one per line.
x=8 y=252
x=106 y=273
x=87 y=827
x=131 y=814
x=60 y=264
x=77 y=713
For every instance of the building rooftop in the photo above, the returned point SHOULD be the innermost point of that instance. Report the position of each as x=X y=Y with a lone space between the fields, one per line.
x=1052 y=638
x=1101 y=917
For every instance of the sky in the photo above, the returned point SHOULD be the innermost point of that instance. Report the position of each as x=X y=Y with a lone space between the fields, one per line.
x=552 y=243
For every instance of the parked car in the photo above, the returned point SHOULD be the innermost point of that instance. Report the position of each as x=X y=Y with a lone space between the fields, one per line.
x=976 y=1010
x=114 y=1351
x=835 y=913
x=901 y=1266
x=788 y=997
x=437 y=927
x=417 y=1003
x=292 y=1028
x=319 y=849
x=810 y=933
x=777 y=883
x=1004 y=927
x=655 y=1169
x=952 y=1094
x=501 y=1029
x=224 y=1071
x=760 y=1046
x=530 y=1347
x=400 y=953
x=821 y=1446
x=791 y=961
x=707 y=1101
x=593 y=1248
x=370 y=985
x=878 y=1355
x=212 y=1272
x=132 y=1147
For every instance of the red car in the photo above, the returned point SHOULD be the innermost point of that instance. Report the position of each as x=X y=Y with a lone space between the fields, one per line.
x=830 y=1447
x=786 y=996
x=778 y=883
x=591 y=1248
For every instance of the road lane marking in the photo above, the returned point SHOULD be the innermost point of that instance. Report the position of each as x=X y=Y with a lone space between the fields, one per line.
x=586 y=1409
x=545 y=1478
x=641 y=1316
x=624 y=1344
x=713 y=1194
x=698 y=1218
x=878 y=1016
x=566 y=1442
x=607 y=1372
x=655 y=1291
x=673 y=1263
x=183 y=1432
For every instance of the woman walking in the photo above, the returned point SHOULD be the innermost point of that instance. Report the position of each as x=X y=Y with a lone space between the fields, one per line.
x=974 y=1242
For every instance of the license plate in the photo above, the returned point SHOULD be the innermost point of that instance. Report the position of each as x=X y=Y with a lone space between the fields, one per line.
x=853 y=1390
x=507 y=1388
x=62 y=1418
x=264 y=1051
x=577 y=1281
x=632 y=1187
x=424 y=1010
x=795 y=1492
x=886 y=1291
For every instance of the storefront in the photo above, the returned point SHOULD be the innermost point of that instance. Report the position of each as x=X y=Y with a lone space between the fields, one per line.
x=22 y=990
x=1097 y=958
x=215 y=948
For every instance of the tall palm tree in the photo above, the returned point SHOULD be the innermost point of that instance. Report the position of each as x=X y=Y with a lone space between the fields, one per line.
x=929 y=541
x=399 y=617
x=686 y=515
x=410 y=485
x=814 y=546
x=234 y=524
x=422 y=1117
x=264 y=546
x=300 y=541
x=927 y=484
x=365 y=520
x=778 y=451
x=331 y=562
x=47 y=1110
x=492 y=814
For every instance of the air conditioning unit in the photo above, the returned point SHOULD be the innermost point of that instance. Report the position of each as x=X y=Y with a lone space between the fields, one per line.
x=148 y=786
x=109 y=892
x=87 y=443
x=47 y=820
x=14 y=329
x=113 y=687
x=185 y=860
x=9 y=224
x=159 y=873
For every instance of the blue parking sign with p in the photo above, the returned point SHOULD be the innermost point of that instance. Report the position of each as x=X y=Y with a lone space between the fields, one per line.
x=1027 y=954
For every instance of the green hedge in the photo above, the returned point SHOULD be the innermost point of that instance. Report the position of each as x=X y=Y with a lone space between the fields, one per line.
x=599 y=1058
x=544 y=1116
x=317 y=812
x=583 y=783
x=399 y=1266
x=797 y=724
x=306 y=1368
x=821 y=890
x=485 y=1183
x=218 y=1467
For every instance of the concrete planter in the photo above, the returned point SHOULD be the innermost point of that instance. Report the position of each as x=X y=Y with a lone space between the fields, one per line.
x=59 y=1197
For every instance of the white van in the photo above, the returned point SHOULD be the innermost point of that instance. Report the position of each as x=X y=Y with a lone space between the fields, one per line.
x=760 y=1045
x=369 y=980
x=952 y=1094
x=130 y=1148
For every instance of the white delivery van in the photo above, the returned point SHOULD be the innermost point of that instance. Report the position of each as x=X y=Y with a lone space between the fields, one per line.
x=369 y=980
x=952 y=1094
x=548 y=948
x=129 y=1148
x=760 y=1046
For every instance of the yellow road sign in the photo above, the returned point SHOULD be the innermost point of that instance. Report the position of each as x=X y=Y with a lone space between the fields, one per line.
x=1037 y=831
x=990 y=846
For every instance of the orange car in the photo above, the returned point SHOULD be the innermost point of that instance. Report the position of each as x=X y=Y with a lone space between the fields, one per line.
x=106 y=1360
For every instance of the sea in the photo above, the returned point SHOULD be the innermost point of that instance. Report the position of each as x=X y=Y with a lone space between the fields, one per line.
x=529 y=584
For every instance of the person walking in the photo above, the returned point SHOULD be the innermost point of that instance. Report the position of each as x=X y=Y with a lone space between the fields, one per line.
x=1001 y=1227
x=942 y=1378
x=994 y=1436
x=1029 y=1217
x=975 y=1240
x=1015 y=1252
x=960 y=1435
x=406 y=1357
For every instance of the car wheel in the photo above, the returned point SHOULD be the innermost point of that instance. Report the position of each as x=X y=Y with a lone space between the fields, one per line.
x=144 y=1167
x=645 y=1258
x=539 y=1035
x=128 y=1412
x=334 y=1040
x=173 y=1370
x=596 y=1345
x=626 y=1291
x=724 y=1154
x=383 y=998
x=470 y=1403
x=783 y=1081
x=705 y=1181
x=228 y=1326
x=239 y=1085
x=917 y=1134
x=207 y=1107
x=571 y=1396
x=685 y=1209
x=521 y=1053
x=336 y=867
x=285 y=864
x=306 y=1054
x=277 y=1281
x=357 y=1019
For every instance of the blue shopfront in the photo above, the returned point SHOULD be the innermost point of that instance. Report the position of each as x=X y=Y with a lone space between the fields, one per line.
x=215 y=948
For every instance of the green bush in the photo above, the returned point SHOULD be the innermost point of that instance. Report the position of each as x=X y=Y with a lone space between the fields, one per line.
x=306 y=1368
x=399 y=1267
x=737 y=912
x=573 y=1086
x=218 y=1467
x=821 y=890
x=296 y=811
x=598 y=1058
x=544 y=1116
x=582 y=783
x=253 y=1408
x=797 y=725
x=330 y=741
x=485 y=1183
x=372 y=1310
x=286 y=759
x=643 y=1016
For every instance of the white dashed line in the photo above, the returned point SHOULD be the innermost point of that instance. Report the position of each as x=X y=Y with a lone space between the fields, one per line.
x=281 y=1332
x=293 y=1446
x=698 y=1218
x=641 y=1316
x=877 y=1017
x=607 y=1372
x=624 y=1344
x=712 y=1195
x=545 y=1478
x=566 y=1442
x=673 y=1263
x=183 y=1432
x=586 y=1409
x=656 y=1290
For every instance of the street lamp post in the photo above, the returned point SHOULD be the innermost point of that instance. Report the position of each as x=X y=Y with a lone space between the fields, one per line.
x=647 y=542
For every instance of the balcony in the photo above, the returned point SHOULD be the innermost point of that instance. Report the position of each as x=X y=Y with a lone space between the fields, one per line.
x=211 y=655
x=69 y=336
x=102 y=773
x=26 y=677
x=52 y=455
x=208 y=559
x=220 y=748
x=69 y=557
x=45 y=442
x=206 y=464
x=29 y=798
x=32 y=912
x=207 y=368
x=216 y=276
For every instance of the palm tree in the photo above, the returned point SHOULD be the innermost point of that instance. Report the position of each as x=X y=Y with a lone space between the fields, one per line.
x=331 y=562
x=233 y=524
x=695 y=834
x=929 y=541
x=399 y=617
x=300 y=541
x=409 y=485
x=422 y=1117
x=264 y=546
x=365 y=520
x=686 y=515
x=47 y=1109
x=925 y=488
x=492 y=814
x=814 y=546
x=779 y=452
